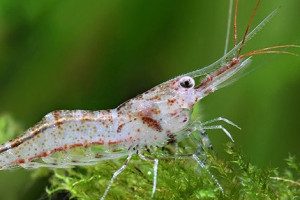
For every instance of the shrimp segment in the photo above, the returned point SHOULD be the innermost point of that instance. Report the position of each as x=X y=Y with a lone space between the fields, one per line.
x=59 y=131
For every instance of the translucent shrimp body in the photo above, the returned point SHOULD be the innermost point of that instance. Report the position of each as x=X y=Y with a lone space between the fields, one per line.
x=58 y=131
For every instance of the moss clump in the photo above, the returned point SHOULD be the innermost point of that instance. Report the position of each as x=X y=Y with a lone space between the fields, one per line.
x=9 y=128
x=181 y=179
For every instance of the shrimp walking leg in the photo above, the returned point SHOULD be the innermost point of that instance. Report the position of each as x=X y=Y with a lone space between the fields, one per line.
x=220 y=119
x=202 y=144
x=205 y=139
x=219 y=127
x=115 y=175
x=154 y=171
x=202 y=165
x=202 y=126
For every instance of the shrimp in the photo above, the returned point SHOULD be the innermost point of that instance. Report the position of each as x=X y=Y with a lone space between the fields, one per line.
x=151 y=119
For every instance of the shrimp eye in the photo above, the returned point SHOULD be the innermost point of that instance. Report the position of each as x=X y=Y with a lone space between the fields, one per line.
x=186 y=82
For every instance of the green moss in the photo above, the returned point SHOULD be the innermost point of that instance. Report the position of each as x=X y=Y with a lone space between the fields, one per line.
x=181 y=179
x=9 y=128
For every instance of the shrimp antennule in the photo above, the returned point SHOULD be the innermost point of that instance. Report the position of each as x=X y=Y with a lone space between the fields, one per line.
x=248 y=26
x=271 y=50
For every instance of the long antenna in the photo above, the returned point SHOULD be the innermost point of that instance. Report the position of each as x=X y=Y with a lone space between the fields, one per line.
x=248 y=26
x=271 y=50
x=228 y=26
x=235 y=23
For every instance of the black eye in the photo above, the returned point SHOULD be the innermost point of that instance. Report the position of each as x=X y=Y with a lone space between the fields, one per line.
x=187 y=82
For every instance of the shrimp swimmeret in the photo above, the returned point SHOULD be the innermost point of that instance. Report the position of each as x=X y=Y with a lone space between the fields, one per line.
x=151 y=119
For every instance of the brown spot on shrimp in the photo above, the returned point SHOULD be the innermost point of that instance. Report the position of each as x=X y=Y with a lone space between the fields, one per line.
x=20 y=161
x=15 y=143
x=98 y=156
x=122 y=105
x=120 y=128
x=155 y=111
x=171 y=101
x=171 y=137
x=152 y=123
x=156 y=97
x=58 y=122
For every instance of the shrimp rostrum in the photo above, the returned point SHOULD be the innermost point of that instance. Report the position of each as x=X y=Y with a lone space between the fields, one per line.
x=150 y=119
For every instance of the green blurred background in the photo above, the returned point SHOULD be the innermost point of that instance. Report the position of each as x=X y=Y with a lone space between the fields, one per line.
x=66 y=54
